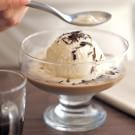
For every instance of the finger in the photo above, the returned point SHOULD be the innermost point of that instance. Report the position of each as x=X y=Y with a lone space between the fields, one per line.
x=5 y=4
x=18 y=16
x=15 y=15
x=17 y=3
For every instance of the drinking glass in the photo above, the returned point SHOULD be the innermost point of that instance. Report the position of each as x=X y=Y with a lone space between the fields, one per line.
x=75 y=111
x=12 y=102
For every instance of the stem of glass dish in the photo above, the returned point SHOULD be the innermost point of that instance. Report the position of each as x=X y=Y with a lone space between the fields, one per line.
x=75 y=113
x=73 y=105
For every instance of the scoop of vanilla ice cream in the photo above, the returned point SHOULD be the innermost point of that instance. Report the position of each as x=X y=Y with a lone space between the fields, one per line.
x=74 y=55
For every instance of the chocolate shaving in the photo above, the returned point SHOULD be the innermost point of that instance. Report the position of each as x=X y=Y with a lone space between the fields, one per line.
x=73 y=37
x=68 y=80
x=83 y=81
x=112 y=73
x=88 y=36
x=92 y=70
x=82 y=44
x=89 y=53
x=101 y=57
x=94 y=54
x=65 y=40
x=74 y=55
x=85 y=43
x=73 y=83
x=60 y=81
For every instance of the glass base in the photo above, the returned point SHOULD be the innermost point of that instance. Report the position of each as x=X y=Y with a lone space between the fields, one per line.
x=75 y=118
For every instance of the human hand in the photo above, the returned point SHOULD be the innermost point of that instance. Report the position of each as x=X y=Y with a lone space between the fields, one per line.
x=11 y=12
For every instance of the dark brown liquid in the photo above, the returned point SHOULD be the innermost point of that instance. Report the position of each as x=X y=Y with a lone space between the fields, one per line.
x=10 y=121
x=82 y=88
x=5 y=127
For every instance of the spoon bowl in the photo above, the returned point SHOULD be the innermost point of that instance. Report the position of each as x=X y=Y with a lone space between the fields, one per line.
x=87 y=18
x=90 y=18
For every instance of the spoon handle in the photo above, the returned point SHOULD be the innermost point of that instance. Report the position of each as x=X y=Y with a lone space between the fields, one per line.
x=45 y=7
x=39 y=5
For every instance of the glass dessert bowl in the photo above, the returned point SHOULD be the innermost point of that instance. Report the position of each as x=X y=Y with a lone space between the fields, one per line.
x=75 y=66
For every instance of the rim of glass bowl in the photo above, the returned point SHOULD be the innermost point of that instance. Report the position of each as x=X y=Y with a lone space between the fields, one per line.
x=18 y=86
x=124 y=41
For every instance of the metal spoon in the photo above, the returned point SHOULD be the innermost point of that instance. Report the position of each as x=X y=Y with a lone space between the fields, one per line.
x=89 y=18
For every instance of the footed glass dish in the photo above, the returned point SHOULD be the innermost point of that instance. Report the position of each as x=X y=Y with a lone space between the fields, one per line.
x=74 y=112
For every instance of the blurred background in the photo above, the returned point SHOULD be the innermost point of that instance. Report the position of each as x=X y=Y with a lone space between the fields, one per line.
x=121 y=23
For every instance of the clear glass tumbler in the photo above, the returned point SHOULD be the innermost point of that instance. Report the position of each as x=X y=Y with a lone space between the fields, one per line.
x=75 y=111
x=12 y=102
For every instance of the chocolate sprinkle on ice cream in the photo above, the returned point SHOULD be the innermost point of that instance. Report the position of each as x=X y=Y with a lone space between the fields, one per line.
x=92 y=69
x=60 y=81
x=75 y=54
x=85 y=43
x=73 y=37
x=68 y=80
x=94 y=54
